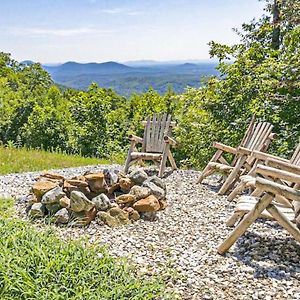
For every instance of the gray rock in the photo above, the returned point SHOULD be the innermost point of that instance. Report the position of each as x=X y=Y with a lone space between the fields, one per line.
x=53 y=196
x=139 y=192
x=62 y=216
x=110 y=176
x=79 y=202
x=37 y=210
x=102 y=202
x=155 y=190
x=157 y=181
x=53 y=208
x=138 y=176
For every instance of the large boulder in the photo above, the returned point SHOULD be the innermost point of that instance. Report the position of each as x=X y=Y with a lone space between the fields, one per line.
x=140 y=192
x=53 y=176
x=42 y=187
x=53 y=208
x=102 y=202
x=107 y=219
x=62 y=216
x=125 y=184
x=83 y=218
x=148 y=204
x=138 y=176
x=155 y=190
x=53 y=196
x=111 y=177
x=79 y=202
x=124 y=199
x=65 y=202
x=114 y=217
x=76 y=182
x=38 y=210
x=158 y=181
x=96 y=182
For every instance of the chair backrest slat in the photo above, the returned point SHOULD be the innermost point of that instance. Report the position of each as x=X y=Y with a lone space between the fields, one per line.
x=295 y=160
x=155 y=130
x=260 y=134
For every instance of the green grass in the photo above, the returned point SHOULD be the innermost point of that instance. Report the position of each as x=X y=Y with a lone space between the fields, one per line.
x=38 y=265
x=14 y=160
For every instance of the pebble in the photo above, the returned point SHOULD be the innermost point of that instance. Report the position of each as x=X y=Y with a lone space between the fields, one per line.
x=181 y=243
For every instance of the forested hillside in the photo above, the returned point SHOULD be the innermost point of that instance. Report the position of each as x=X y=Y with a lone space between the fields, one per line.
x=35 y=113
x=126 y=80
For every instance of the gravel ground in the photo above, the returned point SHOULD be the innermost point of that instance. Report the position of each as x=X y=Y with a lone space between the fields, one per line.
x=181 y=244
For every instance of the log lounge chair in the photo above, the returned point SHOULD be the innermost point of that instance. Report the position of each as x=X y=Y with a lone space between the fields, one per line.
x=266 y=205
x=261 y=157
x=156 y=143
x=257 y=137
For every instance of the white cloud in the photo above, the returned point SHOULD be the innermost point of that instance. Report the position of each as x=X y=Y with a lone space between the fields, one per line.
x=60 y=32
x=120 y=11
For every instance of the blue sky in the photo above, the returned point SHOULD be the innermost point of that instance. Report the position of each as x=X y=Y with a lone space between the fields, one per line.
x=51 y=31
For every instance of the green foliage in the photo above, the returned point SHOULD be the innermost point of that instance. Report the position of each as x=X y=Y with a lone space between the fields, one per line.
x=38 y=265
x=97 y=122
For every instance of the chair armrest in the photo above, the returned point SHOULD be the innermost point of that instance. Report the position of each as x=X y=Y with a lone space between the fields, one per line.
x=283 y=165
x=170 y=141
x=264 y=156
x=277 y=173
x=224 y=147
x=134 y=138
x=277 y=189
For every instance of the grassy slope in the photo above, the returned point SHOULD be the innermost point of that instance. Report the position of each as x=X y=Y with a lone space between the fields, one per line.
x=38 y=265
x=23 y=160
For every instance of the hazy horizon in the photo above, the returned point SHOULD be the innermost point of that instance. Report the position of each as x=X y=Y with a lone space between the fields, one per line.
x=53 y=32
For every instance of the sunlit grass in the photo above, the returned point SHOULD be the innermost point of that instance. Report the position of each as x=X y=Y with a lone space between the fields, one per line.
x=38 y=265
x=14 y=160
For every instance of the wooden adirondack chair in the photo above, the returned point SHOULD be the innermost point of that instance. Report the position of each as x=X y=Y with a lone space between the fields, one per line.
x=156 y=143
x=265 y=204
x=257 y=137
x=246 y=181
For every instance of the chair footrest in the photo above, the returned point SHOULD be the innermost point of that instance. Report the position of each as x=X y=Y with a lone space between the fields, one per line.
x=221 y=167
x=146 y=155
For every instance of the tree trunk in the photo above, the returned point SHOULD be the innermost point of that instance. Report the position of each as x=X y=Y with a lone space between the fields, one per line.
x=276 y=25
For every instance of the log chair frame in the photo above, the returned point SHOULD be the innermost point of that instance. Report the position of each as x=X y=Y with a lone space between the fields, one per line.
x=258 y=136
x=156 y=143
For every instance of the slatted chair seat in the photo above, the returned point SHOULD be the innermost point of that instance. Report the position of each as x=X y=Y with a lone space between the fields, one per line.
x=252 y=209
x=261 y=158
x=257 y=137
x=156 y=143
x=247 y=203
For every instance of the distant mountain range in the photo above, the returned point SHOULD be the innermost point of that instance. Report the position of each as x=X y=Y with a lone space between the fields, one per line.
x=132 y=77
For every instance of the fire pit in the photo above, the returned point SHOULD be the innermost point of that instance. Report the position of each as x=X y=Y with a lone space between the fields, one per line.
x=110 y=197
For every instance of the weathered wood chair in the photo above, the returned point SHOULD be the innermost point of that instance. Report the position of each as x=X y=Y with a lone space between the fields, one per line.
x=156 y=143
x=261 y=157
x=257 y=137
x=265 y=204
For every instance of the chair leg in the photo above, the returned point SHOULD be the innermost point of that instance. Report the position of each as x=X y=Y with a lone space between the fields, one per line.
x=164 y=160
x=207 y=170
x=233 y=175
x=238 y=190
x=172 y=160
x=241 y=228
x=128 y=160
x=234 y=218
x=284 y=222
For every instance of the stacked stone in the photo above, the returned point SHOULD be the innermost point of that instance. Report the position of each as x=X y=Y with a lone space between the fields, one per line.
x=110 y=197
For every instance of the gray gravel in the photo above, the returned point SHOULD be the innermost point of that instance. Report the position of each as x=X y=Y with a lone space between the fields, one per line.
x=181 y=244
